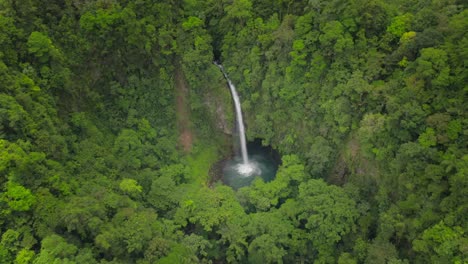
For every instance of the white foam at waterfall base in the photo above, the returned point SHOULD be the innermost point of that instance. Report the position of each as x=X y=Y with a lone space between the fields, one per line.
x=237 y=174
x=248 y=169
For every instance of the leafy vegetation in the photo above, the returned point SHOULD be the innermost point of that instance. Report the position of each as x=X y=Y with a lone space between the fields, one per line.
x=364 y=100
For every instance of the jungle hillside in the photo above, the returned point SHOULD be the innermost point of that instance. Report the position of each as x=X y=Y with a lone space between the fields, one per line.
x=113 y=117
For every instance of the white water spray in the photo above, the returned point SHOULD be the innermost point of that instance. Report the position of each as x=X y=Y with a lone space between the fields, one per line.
x=246 y=168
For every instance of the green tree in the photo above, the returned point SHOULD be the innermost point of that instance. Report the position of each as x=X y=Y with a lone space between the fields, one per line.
x=18 y=197
x=428 y=138
x=130 y=187
x=164 y=193
x=432 y=66
x=24 y=257
x=326 y=212
x=400 y=24
x=335 y=39
x=8 y=35
x=41 y=47
x=441 y=243
x=209 y=208
x=263 y=196
x=273 y=238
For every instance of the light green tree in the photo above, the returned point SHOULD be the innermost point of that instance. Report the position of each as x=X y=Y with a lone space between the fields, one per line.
x=42 y=48
x=18 y=197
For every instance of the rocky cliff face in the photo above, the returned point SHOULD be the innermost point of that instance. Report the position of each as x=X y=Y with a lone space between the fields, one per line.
x=221 y=121
x=219 y=103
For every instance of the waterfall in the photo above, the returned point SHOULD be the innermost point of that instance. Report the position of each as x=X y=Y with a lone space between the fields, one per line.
x=246 y=168
x=240 y=120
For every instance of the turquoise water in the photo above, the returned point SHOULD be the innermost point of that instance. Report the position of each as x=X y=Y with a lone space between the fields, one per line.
x=264 y=161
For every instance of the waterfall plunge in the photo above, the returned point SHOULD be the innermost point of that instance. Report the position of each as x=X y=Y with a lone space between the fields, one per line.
x=246 y=168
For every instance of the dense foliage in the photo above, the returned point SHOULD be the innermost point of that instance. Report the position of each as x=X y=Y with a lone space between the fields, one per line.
x=365 y=101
